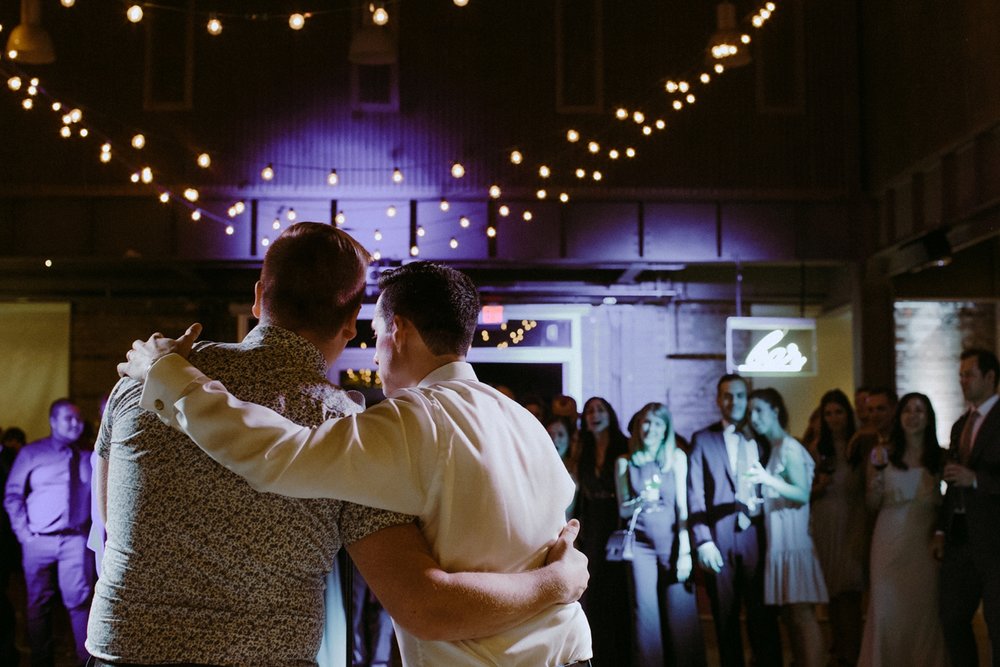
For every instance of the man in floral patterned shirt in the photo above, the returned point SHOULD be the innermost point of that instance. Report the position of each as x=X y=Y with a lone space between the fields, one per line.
x=200 y=568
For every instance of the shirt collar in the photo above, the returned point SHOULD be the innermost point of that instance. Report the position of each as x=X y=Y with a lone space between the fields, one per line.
x=986 y=405
x=288 y=342
x=455 y=370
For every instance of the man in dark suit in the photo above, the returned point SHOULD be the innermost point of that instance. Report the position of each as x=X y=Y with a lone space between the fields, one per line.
x=969 y=535
x=727 y=524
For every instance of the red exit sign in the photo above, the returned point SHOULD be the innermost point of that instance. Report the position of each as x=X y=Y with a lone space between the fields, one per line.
x=491 y=315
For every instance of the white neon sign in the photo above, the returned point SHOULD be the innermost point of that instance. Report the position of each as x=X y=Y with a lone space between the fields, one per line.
x=771 y=346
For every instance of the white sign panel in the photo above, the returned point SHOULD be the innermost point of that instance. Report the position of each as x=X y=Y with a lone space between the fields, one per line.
x=771 y=346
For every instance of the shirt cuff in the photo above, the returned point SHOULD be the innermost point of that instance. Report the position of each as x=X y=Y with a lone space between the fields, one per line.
x=169 y=379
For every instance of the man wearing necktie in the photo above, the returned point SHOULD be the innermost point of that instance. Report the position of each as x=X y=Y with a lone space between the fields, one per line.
x=728 y=531
x=47 y=496
x=968 y=539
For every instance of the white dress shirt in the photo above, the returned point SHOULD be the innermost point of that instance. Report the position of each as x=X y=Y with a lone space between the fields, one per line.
x=477 y=469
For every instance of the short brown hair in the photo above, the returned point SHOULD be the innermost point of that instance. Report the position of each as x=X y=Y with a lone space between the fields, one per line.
x=313 y=278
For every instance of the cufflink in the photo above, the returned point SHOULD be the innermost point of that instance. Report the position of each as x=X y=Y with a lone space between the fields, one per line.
x=158 y=404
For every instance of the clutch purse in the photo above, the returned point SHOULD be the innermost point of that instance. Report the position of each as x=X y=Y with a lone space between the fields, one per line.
x=621 y=543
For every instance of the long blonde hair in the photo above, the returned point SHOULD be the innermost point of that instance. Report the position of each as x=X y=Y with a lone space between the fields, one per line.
x=635 y=440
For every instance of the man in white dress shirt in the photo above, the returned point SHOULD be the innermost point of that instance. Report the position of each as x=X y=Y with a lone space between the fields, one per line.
x=476 y=468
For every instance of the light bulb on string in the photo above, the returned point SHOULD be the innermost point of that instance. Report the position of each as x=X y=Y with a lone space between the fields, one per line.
x=28 y=103
x=204 y=160
x=660 y=124
x=231 y=212
x=65 y=132
x=147 y=175
x=265 y=241
x=196 y=215
x=638 y=117
x=230 y=230
x=613 y=154
x=594 y=147
x=214 y=25
x=75 y=115
x=138 y=142
x=460 y=3
x=444 y=205
x=504 y=210
x=414 y=251
x=378 y=235
x=391 y=211
x=563 y=197
x=678 y=105
x=134 y=13
x=705 y=77
x=134 y=177
x=745 y=38
x=296 y=21
x=719 y=68
x=629 y=152
x=380 y=16
x=377 y=254
x=621 y=113
x=34 y=80
x=516 y=157
x=67 y=3
x=105 y=156
x=191 y=195
x=290 y=215
x=597 y=175
x=340 y=218
x=164 y=197
x=14 y=83
x=494 y=191
x=84 y=133
x=464 y=222
x=544 y=171
x=421 y=232
x=332 y=178
x=48 y=263
x=580 y=173
x=397 y=176
x=647 y=130
x=457 y=170
x=267 y=173
x=56 y=106
x=491 y=232
x=527 y=216
x=32 y=90
x=542 y=194
x=683 y=86
x=240 y=207
x=670 y=87
x=572 y=136
x=276 y=224
x=453 y=243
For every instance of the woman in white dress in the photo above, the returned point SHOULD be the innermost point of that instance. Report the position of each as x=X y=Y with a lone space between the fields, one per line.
x=902 y=627
x=793 y=579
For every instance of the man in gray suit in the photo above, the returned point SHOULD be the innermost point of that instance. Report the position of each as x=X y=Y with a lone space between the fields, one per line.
x=728 y=529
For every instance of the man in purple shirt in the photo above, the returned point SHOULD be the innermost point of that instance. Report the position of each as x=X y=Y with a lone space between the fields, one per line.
x=47 y=497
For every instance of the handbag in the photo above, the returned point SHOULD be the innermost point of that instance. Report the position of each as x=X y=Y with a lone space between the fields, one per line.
x=621 y=543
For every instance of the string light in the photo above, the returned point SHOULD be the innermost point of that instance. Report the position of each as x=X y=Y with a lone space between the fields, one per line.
x=138 y=142
x=340 y=218
x=147 y=175
x=332 y=178
x=56 y=106
x=265 y=241
x=572 y=136
x=678 y=105
x=230 y=230
x=719 y=68
x=84 y=132
x=629 y=152
x=134 y=177
x=164 y=197
x=527 y=216
x=444 y=205
x=597 y=175
x=504 y=210
x=65 y=132
x=380 y=16
x=494 y=191
x=563 y=197
x=690 y=98
x=670 y=87
x=296 y=21
x=414 y=251
x=594 y=147
x=67 y=3
x=621 y=113
x=14 y=83
x=705 y=77
x=134 y=13
x=191 y=195
x=683 y=86
x=391 y=211
x=464 y=222
x=647 y=130
x=580 y=173
x=48 y=263
x=420 y=231
x=397 y=176
x=544 y=171
x=613 y=154
x=28 y=103
x=660 y=124
x=290 y=215
x=457 y=170
x=267 y=173
x=376 y=255
x=105 y=156
x=542 y=194
x=516 y=157
x=204 y=160
x=378 y=235
x=453 y=243
x=276 y=224
x=214 y=25
x=196 y=215
x=75 y=115
x=460 y=3
x=638 y=117
x=491 y=232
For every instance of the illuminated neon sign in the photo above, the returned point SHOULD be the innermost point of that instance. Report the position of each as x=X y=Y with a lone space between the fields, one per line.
x=771 y=346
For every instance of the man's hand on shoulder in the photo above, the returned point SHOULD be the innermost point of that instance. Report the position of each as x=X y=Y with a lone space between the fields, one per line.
x=145 y=353
x=572 y=564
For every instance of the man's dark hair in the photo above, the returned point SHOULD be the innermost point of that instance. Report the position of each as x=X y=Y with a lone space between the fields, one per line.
x=986 y=361
x=313 y=278
x=732 y=377
x=58 y=403
x=442 y=303
x=884 y=391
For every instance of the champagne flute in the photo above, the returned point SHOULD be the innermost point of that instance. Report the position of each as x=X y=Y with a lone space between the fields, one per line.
x=651 y=496
x=955 y=456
